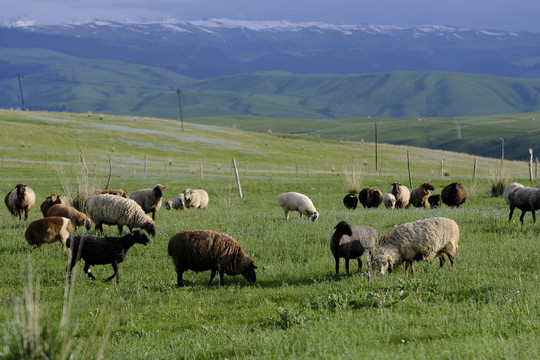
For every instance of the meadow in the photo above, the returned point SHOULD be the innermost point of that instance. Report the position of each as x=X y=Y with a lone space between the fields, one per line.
x=486 y=307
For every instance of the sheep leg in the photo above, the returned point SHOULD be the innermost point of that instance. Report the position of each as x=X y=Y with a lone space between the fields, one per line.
x=511 y=213
x=409 y=264
x=452 y=259
x=359 y=265
x=88 y=272
x=179 y=281
x=26 y=213
x=442 y=260
x=347 y=265
x=115 y=268
x=153 y=215
x=71 y=266
x=534 y=216
x=99 y=227
x=522 y=216
x=212 y=276
x=221 y=277
x=337 y=265
x=120 y=228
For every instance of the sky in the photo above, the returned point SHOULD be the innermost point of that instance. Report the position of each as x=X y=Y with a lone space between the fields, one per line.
x=509 y=15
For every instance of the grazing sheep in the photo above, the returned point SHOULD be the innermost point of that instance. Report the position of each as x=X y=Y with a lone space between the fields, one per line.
x=21 y=199
x=115 y=210
x=370 y=197
x=524 y=198
x=389 y=201
x=149 y=199
x=177 y=203
x=196 y=198
x=434 y=201
x=420 y=195
x=49 y=201
x=96 y=250
x=350 y=201
x=401 y=193
x=201 y=250
x=48 y=230
x=350 y=242
x=293 y=201
x=418 y=240
x=118 y=192
x=453 y=194
x=77 y=218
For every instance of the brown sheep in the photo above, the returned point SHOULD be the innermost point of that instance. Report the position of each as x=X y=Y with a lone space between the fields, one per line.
x=48 y=230
x=454 y=194
x=201 y=250
x=21 y=198
x=50 y=200
x=77 y=218
x=370 y=197
x=420 y=195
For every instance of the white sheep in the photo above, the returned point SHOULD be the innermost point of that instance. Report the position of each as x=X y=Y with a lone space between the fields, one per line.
x=177 y=203
x=149 y=199
x=115 y=210
x=21 y=199
x=196 y=198
x=48 y=230
x=293 y=201
x=401 y=193
x=524 y=198
x=389 y=201
x=418 y=240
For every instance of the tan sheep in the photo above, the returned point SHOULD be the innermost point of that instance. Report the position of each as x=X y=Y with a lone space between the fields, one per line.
x=115 y=210
x=202 y=250
x=401 y=193
x=196 y=198
x=418 y=240
x=149 y=199
x=77 y=218
x=293 y=201
x=53 y=199
x=48 y=230
x=21 y=199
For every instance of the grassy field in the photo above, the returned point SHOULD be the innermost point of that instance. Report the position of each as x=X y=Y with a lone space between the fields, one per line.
x=487 y=307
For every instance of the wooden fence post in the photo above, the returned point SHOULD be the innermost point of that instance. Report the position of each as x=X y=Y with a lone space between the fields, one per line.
x=530 y=164
x=475 y=165
x=409 y=168
x=237 y=178
x=110 y=171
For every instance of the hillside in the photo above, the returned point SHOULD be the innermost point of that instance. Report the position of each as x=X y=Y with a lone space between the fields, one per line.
x=57 y=82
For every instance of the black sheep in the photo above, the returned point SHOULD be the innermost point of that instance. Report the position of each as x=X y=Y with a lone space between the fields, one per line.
x=96 y=250
x=434 y=201
x=350 y=201
x=370 y=197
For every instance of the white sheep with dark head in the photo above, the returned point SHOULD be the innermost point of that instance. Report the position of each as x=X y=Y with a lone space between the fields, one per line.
x=21 y=199
x=149 y=199
x=293 y=201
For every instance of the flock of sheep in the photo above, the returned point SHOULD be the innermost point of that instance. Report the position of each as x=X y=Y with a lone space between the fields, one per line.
x=202 y=250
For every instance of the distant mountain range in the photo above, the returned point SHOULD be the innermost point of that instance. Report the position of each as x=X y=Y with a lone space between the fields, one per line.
x=220 y=47
x=272 y=69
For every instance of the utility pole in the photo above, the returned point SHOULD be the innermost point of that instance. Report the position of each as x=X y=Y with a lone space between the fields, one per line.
x=20 y=88
x=178 y=91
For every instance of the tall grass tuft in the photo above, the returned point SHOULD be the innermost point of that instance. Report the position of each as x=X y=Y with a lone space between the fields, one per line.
x=351 y=179
x=31 y=336
x=498 y=181
x=82 y=188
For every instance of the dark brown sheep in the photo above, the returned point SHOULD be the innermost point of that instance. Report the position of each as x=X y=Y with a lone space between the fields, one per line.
x=434 y=201
x=420 y=195
x=350 y=201
x=454 y=194
x=370 y=197
x=201 y=250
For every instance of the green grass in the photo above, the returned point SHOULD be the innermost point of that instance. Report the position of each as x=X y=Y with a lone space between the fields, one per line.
x=487 y=307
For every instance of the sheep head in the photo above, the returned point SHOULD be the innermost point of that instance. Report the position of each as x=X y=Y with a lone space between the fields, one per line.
x=20 y=190
x=343 y=228
x=158 y=190
x=249 y=273
x=313 y=215
x=427 y=186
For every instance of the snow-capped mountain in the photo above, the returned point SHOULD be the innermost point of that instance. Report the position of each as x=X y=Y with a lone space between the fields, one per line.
x=216 y=47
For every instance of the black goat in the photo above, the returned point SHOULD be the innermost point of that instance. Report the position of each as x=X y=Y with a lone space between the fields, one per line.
x=96 y=250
